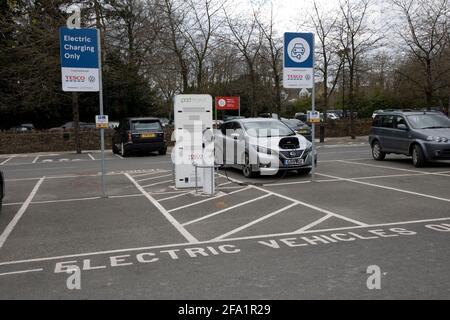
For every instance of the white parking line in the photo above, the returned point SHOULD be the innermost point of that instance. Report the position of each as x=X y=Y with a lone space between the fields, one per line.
x=118 y=156
x=387 y=188
x=186 y=244
x=209 y=199
x=270 y=215
x=168 y=192
x=330 y=161
x=90 y=156
x=75 y=199
x=21 y=272
x=393 y=168
x=153 y=178
x=307 y=204
x=177 y=196
x=157 y=183
x=189 y=237
x=224 y=184
x=297 y=182
x=5 y=161
x=225 y=210
x=10 y=227
x=313 y=224
x=149 y=173
x=35 y=159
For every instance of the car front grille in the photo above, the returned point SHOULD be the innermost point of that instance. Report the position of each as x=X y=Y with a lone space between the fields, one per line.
x=292 y=154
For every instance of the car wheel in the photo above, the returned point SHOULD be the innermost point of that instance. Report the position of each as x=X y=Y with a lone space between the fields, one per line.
x=123 y=150
x=247 y=168
x=418 y=156
x=304 y=172
x=377 y=154
x=114 y=148
x=163 y=151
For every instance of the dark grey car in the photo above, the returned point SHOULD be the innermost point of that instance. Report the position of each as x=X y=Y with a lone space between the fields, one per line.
x=423 y=135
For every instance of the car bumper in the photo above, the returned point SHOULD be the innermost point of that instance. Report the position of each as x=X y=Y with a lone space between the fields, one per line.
x=271 y=164
x=145 y=146
x=437 y=151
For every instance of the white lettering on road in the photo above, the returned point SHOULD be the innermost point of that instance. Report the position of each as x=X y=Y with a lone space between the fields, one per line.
x=147 y=257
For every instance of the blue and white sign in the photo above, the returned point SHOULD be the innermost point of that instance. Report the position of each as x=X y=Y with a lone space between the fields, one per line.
x=79 y=59
x=298 y=60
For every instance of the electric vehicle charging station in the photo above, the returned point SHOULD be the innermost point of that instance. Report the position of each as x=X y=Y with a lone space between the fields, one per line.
x=194 y=165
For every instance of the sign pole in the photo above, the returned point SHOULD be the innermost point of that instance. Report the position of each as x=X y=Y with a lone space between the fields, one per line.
x=102 y=131
x=313 y=106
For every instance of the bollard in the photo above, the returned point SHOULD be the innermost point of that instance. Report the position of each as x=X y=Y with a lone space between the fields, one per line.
x=322 y=133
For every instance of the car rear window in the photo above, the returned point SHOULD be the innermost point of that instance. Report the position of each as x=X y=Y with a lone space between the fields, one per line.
x=144 y=125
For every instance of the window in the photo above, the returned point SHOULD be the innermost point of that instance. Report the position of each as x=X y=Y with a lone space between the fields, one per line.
x=429 y=121
x=145 y=125
x=268 y=129
x=400 y=120
x=376 y=121
x=387 y=121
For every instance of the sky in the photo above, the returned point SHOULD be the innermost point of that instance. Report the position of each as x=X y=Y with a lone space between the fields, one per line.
x=290 y=14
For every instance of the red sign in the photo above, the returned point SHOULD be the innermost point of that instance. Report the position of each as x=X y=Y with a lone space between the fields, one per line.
x=228 y=103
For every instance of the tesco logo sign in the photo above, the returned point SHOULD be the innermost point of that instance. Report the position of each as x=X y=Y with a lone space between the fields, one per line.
x=75 y=78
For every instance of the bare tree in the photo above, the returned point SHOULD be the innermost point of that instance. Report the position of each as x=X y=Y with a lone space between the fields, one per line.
x=202 y=23
x=173 y=16
x=274 y=53
x=425 y=31
x=247 y=37
x=357 y=39
x=325 y=26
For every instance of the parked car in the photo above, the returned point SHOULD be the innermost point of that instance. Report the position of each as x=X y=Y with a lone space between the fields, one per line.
x=338 y=113
x=139 y=135
x=228 y=118
x=302 y=117
x=332 y=116
x=71 y=125
x=113 y=124
x=269 y=115
x=299 y=127
x=165 y=122
x=2 y=189
x=23 y=128
x=264 y=146
x=424 y=136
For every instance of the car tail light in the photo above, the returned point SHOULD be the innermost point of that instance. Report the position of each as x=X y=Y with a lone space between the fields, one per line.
x=130 y=138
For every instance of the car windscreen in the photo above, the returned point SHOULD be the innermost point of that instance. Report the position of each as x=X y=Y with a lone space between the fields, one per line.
x=428 y=121
x=145 y=125
x=268 y=129
x=294 y=123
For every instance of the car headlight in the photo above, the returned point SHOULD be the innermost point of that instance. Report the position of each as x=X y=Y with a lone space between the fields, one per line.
x=437 y=139
x=263 y=150
x=308 y=148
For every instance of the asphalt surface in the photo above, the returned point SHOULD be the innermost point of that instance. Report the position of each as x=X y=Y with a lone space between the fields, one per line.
x=282 y=237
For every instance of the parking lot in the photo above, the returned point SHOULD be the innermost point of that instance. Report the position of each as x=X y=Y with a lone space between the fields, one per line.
x=282 y=237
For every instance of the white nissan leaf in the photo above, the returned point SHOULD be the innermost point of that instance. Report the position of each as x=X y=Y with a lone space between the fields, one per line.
x=262 y=146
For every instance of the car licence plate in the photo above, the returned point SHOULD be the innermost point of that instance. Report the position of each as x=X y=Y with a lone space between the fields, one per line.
x=294 y=162
x=148 y=135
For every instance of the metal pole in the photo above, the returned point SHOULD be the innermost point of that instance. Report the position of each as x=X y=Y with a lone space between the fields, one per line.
x=102 y=131
x=313 y=129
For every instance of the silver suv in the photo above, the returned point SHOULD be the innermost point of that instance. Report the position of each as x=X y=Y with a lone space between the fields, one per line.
x=425 y=136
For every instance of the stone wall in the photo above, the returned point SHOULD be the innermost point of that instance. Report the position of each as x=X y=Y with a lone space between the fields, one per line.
x=44 y=141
